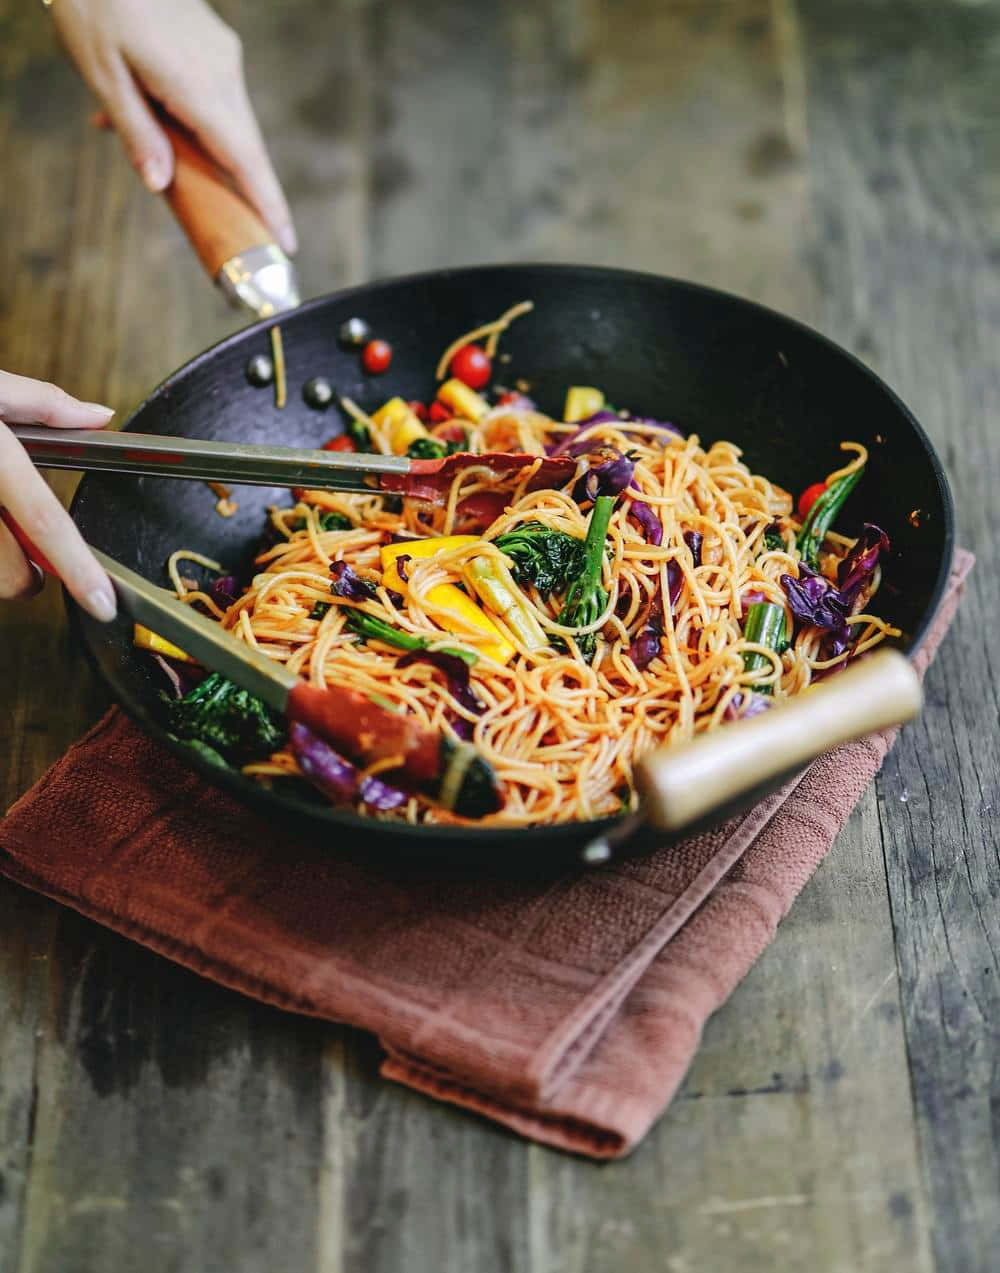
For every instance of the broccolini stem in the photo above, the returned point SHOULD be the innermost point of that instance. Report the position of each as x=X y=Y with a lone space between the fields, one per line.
x=373 y=629
x=821 y=516
x=585 y=598
x=764 y=625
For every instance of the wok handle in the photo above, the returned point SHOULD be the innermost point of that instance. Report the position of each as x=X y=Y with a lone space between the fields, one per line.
x=219 y=222
x=680 y=784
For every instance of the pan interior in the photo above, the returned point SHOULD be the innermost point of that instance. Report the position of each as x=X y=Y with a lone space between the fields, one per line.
x=711 y=363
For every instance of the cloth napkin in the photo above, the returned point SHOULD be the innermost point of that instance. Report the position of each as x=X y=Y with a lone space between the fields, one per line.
x=567 y=1008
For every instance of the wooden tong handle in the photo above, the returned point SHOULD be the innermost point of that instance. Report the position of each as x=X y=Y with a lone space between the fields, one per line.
x=218 y=221
x=680 y=784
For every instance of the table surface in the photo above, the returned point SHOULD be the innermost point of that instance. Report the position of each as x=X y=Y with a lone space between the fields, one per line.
x=838 y=161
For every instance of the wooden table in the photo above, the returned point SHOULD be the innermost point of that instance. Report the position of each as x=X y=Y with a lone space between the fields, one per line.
x=837 y=160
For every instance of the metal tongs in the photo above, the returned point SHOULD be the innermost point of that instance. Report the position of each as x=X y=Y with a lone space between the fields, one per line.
x=111 y=451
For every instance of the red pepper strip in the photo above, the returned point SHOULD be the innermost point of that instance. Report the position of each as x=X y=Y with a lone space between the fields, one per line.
x=27 y=547
x=430 y=480
x=355 y=725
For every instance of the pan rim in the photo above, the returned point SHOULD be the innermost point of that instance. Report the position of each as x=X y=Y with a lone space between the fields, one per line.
x=270 y=800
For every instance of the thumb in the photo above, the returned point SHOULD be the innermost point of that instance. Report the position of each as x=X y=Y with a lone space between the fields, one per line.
x=24 y=401
x=144 y=140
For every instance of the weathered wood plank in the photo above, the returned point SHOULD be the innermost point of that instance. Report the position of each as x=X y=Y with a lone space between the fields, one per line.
x=910 y=267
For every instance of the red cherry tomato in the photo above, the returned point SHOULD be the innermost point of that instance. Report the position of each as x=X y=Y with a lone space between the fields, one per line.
x=472 y=366
x=440 y=412
x=418 y=409
x=809 y=497
x=507 y=398
x=340 y=443
x=376 y=357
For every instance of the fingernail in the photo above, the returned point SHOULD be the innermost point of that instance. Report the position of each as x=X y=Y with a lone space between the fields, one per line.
x=101 y=604
x=98 y=409
x=154 y=175
x=288 y=239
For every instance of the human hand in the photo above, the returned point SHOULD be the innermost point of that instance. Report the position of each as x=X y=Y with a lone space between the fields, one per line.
x=184 y=57
x=33 y=505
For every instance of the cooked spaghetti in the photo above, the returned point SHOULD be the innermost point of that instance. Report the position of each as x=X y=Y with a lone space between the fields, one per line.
x=709 y=597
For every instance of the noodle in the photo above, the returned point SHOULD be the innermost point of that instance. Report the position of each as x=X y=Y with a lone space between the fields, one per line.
x=562 y=734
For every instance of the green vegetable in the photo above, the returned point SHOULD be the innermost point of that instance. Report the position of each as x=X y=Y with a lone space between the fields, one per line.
x=773 y=540
x=360 y=433
x=821 y=516
x=435 y=449
x=764 y=625
x=495 y=586
x=326 y=521
x=205 y=752
x=320 y=609
x=373 y=629
x=547 y=558
x=227 y=718
x=585 y=598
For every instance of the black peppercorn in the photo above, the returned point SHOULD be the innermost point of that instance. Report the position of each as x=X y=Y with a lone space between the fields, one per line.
x=260 y=370
x=318 y=392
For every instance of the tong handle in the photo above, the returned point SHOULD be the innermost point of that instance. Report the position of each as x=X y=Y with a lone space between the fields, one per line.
x=680 y=784
x=219 y=222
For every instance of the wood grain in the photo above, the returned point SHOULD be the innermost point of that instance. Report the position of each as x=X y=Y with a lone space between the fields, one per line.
x=835 y=161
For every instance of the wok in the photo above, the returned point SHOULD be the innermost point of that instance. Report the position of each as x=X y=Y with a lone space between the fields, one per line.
x=712 y=363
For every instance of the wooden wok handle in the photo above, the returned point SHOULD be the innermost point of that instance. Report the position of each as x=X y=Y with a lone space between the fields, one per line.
x=218 y=221
x=680 y=784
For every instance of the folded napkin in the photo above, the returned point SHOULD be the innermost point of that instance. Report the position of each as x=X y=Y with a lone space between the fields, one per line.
x=567 y=1009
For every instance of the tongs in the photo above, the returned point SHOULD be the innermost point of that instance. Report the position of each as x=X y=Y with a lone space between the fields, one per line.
x=108 y=450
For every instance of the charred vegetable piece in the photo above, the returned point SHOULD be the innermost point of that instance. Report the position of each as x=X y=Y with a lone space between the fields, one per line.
x=547 y=558
x=372 y=629
x=585 y=597
x=226 y=717
x=773 y=539
x=824 y=509
x=764 y=625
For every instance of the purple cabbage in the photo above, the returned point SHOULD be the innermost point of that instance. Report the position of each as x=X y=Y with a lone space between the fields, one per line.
x=402 y=566
x=649 y=523
x=336 y=777
x=694 y=540
x=455 y=672
x=609 y=474
x=817 y=603
x=646 y=642
x=858 y=566
x=224 y=591
x=664 y=425
x=568 y=444
x=675 y=581
x=347 y=583
x=756 y=704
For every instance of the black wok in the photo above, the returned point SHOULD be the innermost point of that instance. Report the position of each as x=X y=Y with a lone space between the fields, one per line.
x=712 y=363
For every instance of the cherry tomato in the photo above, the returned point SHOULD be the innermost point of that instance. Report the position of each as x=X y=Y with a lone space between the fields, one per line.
x=507 y=398
x=419 y=410
x=376 y=357
x=340 y=443
x=472 y=366
x=439 y=412
x=809 y=497
x=449 y=432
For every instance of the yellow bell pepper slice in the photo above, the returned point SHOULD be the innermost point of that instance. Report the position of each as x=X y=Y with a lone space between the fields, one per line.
x=144 y=639
x=448 y=595
x=581 y=402
x=404 y=427
x=465 y=402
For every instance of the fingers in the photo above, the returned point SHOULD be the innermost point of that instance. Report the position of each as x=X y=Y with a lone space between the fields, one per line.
x=232 y=137
x=145 y=142
x=19 y=579
x=46 y=523
x=24 y=401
